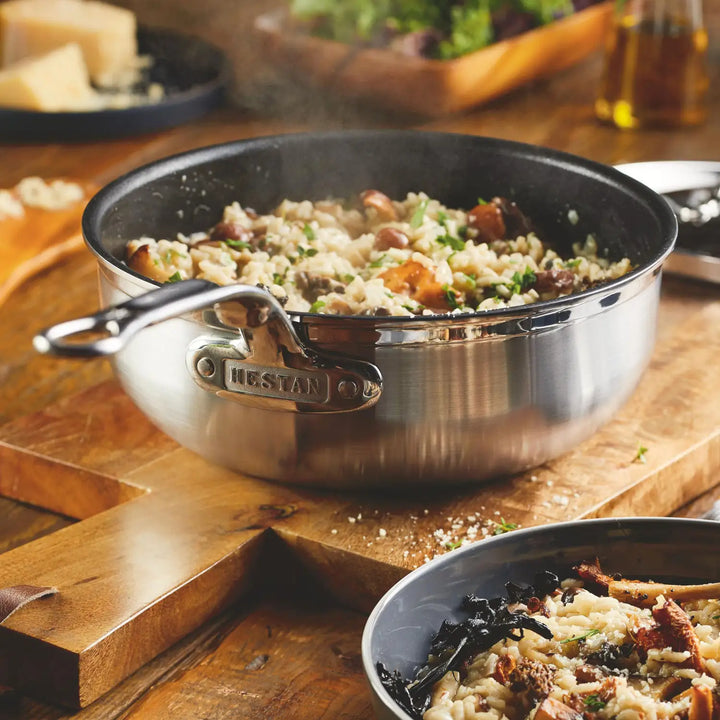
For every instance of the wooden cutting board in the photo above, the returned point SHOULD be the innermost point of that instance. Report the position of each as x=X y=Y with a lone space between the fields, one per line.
x=37 y=239
x=166 y=540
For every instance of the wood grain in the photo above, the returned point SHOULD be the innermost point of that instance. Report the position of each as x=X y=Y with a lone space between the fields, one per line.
x=177 y=538
x=38 y=239
x=312 y=666
x=22 y=523
x=203 y=675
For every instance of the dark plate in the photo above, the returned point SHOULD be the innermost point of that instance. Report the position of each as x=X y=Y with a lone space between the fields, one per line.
x=399 y=629
x=192 y=72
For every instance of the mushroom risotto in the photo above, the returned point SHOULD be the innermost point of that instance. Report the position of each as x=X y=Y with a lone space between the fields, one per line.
x=380 y=257
x=593 y=648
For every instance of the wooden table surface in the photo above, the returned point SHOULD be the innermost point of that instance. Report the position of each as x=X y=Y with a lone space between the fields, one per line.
x=285 y=651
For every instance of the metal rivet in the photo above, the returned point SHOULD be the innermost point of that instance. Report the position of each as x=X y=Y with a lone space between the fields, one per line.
x=206 y=367
x=347 y=389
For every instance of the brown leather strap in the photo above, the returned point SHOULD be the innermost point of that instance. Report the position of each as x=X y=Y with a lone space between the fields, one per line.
x=13 y=598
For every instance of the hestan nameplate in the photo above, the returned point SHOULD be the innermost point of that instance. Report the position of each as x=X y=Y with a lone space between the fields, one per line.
x=284 y=383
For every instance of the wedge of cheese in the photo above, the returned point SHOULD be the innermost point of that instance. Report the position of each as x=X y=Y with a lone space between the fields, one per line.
x=106 y=34
x=55 y=81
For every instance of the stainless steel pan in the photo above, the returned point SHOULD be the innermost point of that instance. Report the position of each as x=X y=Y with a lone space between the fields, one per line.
x=374 y=401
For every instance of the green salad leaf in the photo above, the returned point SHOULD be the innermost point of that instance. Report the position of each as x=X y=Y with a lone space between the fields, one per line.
x=470 y=29
x=461 y=26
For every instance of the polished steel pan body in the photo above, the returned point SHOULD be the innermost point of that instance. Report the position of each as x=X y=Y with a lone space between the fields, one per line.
x=375 y=401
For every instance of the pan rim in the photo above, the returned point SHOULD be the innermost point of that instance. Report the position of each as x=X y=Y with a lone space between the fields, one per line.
x=104 y=200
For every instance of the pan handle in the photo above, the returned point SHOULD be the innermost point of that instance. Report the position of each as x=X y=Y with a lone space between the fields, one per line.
x=122 y=322
x=267 y=366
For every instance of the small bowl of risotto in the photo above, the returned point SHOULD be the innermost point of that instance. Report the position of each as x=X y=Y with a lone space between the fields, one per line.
x=589 y=620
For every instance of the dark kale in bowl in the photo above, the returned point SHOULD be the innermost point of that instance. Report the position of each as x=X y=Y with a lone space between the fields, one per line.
x=455 y=644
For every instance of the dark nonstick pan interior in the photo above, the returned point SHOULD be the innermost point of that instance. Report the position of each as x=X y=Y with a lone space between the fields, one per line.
x=187 y=193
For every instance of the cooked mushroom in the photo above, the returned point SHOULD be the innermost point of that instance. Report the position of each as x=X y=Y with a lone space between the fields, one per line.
x=389 y=237
x=591 y=572
x=503 y=667
x=142 y=261
x=588 y=673
x=674 y=630
x=701 y=705
x=312 y=285
x=561 y=281
x=516 y=222
x=672 y=618
x=231 y=231
x=644 y=594
x=551 y=709
x=666 y=689
x=536 y=605
x=487 y=220
x=532 y=679
x=381 y=203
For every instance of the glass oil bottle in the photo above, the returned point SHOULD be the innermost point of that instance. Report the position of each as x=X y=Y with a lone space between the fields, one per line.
x=655 y=65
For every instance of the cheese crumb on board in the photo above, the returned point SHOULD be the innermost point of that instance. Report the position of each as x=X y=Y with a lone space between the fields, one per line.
x=55 y=195
x=105 y=34
x=10 y=206
x=35 y=192
x=55 y=81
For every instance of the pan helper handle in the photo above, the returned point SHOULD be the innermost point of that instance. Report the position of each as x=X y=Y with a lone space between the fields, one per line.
x=265 y=364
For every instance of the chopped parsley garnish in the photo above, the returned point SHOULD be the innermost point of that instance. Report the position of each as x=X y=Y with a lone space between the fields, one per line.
x=715 y=617
x=451 y=241
x=317 y=305
x=452 y=545
x=593 y=703
x=451 y=297
x=520 y=283
x=347 y=278
x=442 y=217
x=462 y=231
x=237 y=244
x=279 y=279
x=573 y=264
x=581 y=637
x=481 y=201
x=419 y=215
x=308 y=232
x=306 y=252
x=378 y=263
x=471 y=279
x=172 y=252
x=503 y=527
x=640 y=455
x=175 y=277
